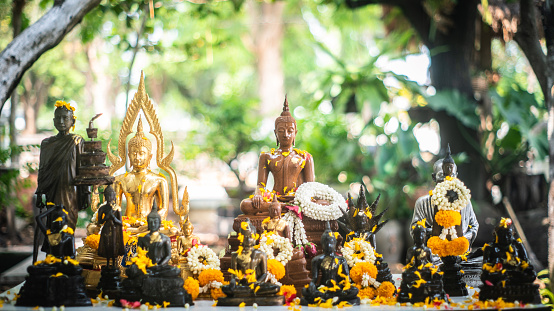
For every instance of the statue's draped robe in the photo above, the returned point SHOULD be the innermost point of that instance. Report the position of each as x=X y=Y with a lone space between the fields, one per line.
x=59 y=160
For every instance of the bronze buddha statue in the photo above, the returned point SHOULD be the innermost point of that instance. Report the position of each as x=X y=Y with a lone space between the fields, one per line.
x=290 y=167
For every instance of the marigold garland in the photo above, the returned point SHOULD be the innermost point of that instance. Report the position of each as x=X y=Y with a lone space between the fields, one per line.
x=387 y=289
x=276 y=268
x=444 y=248
x=366 y=292
x=361 y=268
x=192 y=287
x=448 y=218
x=209 y=275
x=92 y=241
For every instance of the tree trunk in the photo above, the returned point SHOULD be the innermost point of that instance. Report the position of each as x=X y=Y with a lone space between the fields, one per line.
x=267 y=35
x=43 y=35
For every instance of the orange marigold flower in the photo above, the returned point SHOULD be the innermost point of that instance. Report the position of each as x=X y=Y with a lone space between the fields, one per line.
x=192 y=287
x=448 y=218
x=276 y=268
x=287 y=291
x=362 y=268
x=366 y=292
x=387 y=289
x=92 y=241
x=443 y=248
x=210 y=275
x=217 y=293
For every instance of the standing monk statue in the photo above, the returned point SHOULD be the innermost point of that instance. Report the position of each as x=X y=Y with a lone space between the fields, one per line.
x=141 y=186
x=290 y=167
x=59 y=164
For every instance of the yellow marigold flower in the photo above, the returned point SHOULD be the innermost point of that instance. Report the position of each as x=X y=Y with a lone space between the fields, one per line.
x=71 y=261
x=448 y=218
x=61 y=103
x=93 y=240
x=68 y=230
x=387 y=289
x=192 y=287
x=244 y=225
x=56 y=275
x=242 y=304
x=210 y=275
x=276 y=268
x=58 y=219
x=362 y=268
x=422 y=222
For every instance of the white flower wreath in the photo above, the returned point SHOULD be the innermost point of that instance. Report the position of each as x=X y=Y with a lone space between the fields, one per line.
x=211 y=261
x=271 y=241
x=309 y=190
x=362 y=245
x=439 y=198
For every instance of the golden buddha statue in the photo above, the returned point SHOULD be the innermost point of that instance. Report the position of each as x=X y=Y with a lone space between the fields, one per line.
x=187 y=239
x=290 y=167
x=141 y=186
x=275 y=223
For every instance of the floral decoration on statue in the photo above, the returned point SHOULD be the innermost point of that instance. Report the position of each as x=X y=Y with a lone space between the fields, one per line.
x=271 y=241
x=358 y=250
x=192 y=287
x=200 y=258
x=450 y=197
x=310 y=190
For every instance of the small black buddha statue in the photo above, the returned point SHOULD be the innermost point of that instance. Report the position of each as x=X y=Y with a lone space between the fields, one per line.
x=248 y=282
x=334 y=283
x=507 y=271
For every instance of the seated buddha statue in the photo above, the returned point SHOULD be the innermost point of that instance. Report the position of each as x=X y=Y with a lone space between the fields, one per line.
x=330 y=276
x=421 y=279
x=249 y=276
x=275 y=223
x=141 y=186
x=290 y=168
x=507 y=271
x=184 y=242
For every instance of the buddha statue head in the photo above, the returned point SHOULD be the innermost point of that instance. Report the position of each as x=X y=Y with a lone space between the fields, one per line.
x=59 y=216
x=140 y=149
x=285 y=127
x=64 y=118
x=154 y=219
x=448 y=165
x=187 y=228
x=504 y=232
x=275 y=208
x=248 y=231
x=328 y=240
x=109 y=195
x=419 y=234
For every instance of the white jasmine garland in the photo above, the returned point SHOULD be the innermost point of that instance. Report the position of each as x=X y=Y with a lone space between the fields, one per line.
x=368 y=280
x=297 y=227
x=213 y=284
x=364 y=246
x=272 y=279
x=309 y=190
x=193 y=259
x=441 y=201
x=271 y=241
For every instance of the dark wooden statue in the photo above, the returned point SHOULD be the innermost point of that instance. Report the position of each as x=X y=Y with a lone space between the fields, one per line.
x=111 y=238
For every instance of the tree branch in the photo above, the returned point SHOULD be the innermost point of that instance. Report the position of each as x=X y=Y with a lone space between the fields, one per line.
x=413 y=10
x=528 y=40
x=40 y=37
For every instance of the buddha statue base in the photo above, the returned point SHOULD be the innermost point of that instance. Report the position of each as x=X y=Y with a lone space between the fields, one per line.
x=248 y=301
x=454 y=286
x=524 y=293
x=110 y=282
x=55 y=284
x=161 y=284
x=296 y=270
x=414 y=290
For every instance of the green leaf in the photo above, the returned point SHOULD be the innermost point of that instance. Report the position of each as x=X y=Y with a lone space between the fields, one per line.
x=456 y=105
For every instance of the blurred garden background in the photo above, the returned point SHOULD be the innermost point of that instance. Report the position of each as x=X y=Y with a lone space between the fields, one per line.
x=378 y=91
